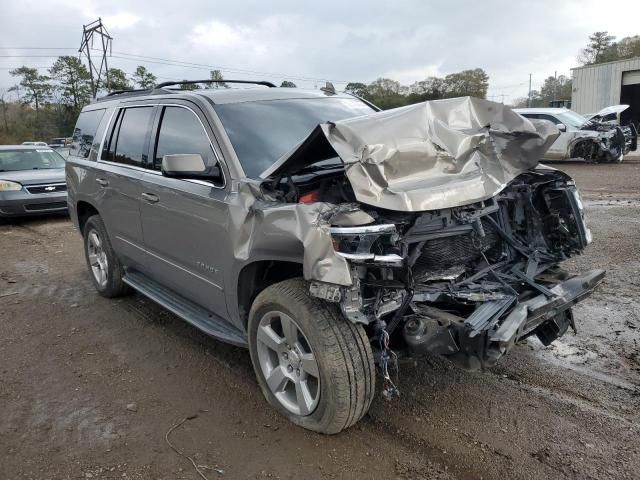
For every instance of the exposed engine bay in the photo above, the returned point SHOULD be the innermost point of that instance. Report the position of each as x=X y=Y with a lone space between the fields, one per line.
x=464 y=282
x=452 y=242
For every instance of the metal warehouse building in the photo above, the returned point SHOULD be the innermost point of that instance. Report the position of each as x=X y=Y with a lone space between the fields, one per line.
x=612 y=83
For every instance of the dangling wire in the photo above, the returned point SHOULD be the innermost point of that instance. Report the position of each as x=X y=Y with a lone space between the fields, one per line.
x=389 y=390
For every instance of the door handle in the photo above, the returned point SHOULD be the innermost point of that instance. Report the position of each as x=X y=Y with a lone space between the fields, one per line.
x=102 y=182
x=150 y=197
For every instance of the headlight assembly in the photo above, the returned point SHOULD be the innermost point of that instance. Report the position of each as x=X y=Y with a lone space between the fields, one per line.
x=368 y=244
x=9 y=186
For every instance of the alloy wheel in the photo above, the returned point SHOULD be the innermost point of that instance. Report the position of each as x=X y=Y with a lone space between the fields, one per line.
x=288 y=363
x=97 y=258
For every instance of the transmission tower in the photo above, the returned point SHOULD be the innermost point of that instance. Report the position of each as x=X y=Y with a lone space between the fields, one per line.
x=96 y=33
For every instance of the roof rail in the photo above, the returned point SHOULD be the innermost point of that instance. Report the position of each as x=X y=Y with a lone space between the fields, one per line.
x=130 y=93
x=191 y=82
x=120 y=92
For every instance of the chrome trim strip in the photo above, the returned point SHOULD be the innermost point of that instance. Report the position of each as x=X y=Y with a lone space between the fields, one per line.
x=170 y=263
x=382 y=228
x=370 y=257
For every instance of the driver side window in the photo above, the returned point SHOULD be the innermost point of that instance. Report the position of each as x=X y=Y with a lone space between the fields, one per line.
x=181 y=132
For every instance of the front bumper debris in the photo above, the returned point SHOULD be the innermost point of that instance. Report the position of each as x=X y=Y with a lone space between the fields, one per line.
x=486 y=335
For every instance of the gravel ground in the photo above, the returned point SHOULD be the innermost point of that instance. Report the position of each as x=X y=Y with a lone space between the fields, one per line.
x=89 y=387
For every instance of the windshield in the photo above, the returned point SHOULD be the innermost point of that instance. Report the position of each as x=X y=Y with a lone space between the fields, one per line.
x=571 y=119
x=15 y=160
x=261 y=132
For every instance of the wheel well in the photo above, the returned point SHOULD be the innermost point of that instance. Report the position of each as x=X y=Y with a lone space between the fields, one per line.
x=257 y=276
x=84 y=210
x=585 y=149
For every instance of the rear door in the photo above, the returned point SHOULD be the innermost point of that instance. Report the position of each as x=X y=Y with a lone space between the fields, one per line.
x=185 y=222
x=118 y=176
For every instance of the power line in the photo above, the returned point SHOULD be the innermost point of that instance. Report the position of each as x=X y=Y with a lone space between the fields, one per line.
x=178 y=63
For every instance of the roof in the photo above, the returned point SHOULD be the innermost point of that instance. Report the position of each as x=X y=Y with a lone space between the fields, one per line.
x=24 y=147
x=541 y=110
x=595 y=65
x=236 y=95
x=227 y=95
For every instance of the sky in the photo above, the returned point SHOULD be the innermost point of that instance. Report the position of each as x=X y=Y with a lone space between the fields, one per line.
x=309 y=42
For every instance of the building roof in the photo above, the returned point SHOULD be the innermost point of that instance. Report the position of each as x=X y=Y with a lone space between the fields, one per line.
x=594 y=65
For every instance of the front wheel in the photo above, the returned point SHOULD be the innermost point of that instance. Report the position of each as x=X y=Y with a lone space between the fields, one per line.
x=314 y=366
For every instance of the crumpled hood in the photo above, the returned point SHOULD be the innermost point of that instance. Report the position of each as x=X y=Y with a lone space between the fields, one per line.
x=427 y=156
x=611 y=109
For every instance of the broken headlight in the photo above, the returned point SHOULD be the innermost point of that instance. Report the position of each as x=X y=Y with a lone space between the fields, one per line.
x=368 y=244
x=582 y=219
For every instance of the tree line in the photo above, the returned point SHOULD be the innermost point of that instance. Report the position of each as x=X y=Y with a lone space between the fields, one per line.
x=50 y=103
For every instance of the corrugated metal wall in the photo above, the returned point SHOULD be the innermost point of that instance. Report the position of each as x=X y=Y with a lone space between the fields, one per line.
x=598 y=86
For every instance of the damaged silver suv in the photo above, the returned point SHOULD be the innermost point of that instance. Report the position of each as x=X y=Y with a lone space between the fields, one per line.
x=328 y=237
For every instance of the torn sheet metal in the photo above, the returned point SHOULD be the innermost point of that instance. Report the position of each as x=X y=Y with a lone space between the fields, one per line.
x=302 y=230
x=432 y=155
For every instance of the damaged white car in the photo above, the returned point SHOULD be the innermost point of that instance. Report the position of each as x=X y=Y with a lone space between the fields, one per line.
x=594 y=138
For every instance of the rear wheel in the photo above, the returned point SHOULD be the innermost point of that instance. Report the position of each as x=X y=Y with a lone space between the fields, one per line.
x=104 y=267
x=314 y=366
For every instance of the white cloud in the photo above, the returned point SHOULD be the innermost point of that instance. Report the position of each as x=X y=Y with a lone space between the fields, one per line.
x=121 y=21
x=409 y=75
x=359 y=40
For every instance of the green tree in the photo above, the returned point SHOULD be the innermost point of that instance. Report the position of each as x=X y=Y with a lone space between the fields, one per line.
x=598 y=50
x=191 y=86
x=386 y=93
x=628 y=47
x=474 y=83
x=36 y=87
x=216 y=75
x=288 y=84
x=358 y=89
x=144 y=78
x=73 y=81
x=431 y=88
x=118 y=80
x=555 y=89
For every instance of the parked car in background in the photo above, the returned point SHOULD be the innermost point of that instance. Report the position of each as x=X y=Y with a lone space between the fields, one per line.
x=592 y=140
x=36 y=144
x=32 y=181
x=61 y=145
x=59 y=142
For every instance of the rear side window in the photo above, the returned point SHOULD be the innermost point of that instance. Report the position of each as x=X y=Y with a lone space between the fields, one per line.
x=84 y=133
x=128 y=140
x=181 y=132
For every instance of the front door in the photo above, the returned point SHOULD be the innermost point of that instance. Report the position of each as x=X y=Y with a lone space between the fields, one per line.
x=184 y=222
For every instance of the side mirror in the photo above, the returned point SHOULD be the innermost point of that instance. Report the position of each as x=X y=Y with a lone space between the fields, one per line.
x=561 y=126
x=189 y=166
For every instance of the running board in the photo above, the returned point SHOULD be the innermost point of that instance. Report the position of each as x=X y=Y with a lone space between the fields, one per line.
x=207 y=321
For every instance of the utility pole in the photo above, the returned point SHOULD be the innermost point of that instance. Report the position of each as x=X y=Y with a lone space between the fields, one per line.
x=96 y=69
x=529 y=96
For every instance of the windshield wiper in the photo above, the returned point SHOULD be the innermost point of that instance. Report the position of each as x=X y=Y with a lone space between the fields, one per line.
x=318 y=168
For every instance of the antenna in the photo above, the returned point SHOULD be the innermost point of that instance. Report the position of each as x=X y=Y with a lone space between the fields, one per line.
x=96 y=70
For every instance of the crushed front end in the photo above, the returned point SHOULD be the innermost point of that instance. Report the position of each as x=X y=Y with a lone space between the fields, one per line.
x=468 y=282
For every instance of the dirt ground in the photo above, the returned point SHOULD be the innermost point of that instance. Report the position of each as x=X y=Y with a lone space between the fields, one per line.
x=89 y=387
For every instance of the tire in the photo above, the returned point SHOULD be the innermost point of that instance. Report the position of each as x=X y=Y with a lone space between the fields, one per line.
x=345 y=382
x=106 y=261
